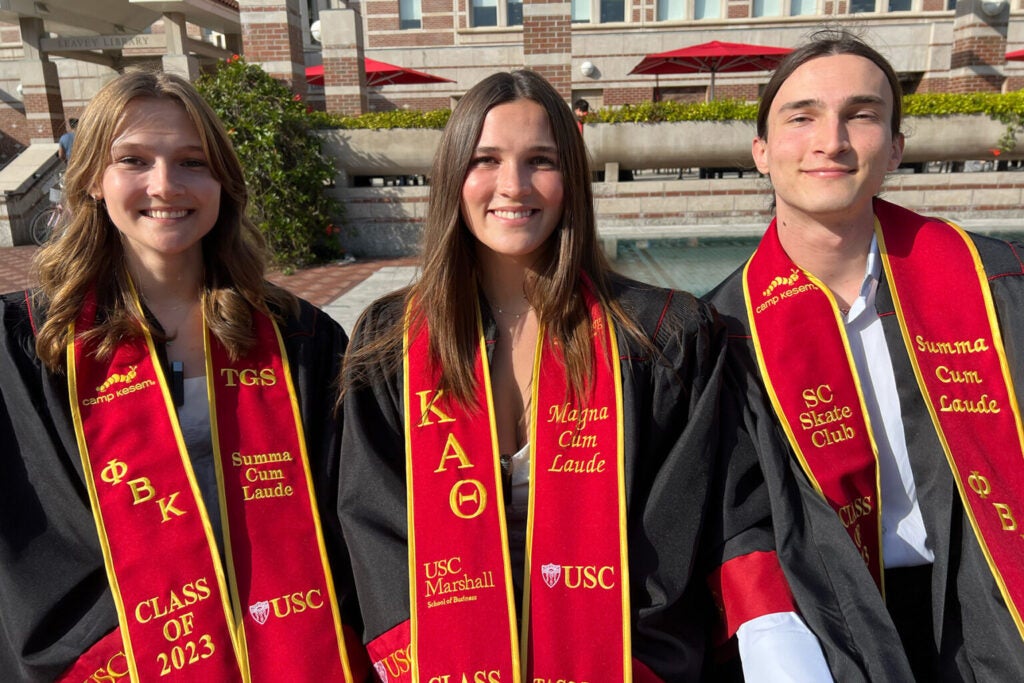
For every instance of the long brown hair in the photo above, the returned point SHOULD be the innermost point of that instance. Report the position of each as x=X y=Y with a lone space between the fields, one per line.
x=447 y=292
x=88 y=254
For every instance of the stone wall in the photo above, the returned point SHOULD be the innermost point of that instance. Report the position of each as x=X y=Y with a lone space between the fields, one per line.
x=386 y=221
x=24 y=190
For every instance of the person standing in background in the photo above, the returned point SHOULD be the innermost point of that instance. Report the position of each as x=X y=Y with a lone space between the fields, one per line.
x=66 y=141
x=581 y=108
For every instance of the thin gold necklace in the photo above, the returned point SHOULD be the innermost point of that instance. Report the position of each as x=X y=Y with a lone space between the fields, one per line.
x=500 y=311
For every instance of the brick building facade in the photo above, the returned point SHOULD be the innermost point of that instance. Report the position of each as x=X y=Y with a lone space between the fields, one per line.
x=585 y=47
x=936 y=45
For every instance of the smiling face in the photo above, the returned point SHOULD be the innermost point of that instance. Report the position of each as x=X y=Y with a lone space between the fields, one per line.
x=158 y=188
x=512 y=193
x=829 y=144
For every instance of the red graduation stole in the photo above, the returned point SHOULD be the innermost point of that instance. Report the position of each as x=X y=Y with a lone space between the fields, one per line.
x=803 y=353
x=960 y=363
x=181 y=618
x=576 y=624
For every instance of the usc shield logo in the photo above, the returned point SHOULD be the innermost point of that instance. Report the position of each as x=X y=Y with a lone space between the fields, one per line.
x=260 y=611
x=551 y=573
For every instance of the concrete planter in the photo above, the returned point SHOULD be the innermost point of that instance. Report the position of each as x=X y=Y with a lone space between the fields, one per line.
x=632 y=145
x=684 y=144
x=728 y=143
x=397 y=151
x=954 y=138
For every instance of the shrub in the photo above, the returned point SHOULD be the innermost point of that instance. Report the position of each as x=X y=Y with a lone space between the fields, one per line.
x=382 y=120
x=284 y=169
x=651 y=112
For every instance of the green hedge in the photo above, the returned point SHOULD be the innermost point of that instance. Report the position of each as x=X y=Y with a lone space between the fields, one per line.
x=383 y=120
x=1007 y=109
x=285 y=170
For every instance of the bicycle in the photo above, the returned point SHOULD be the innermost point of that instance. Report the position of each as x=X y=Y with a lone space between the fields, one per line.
x=46 y=221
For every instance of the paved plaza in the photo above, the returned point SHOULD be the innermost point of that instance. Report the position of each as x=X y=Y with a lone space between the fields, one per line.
x=344 y=289
x=341 y=289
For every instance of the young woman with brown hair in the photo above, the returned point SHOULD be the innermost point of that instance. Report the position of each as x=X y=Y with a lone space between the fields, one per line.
x=529 y=438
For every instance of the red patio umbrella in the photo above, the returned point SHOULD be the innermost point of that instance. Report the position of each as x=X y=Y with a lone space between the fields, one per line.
x=315 y=74
x=1016 y=55
x=380 y=73
x=712 y=58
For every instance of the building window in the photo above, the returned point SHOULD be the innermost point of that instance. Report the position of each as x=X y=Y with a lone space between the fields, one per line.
x=612 y=11
x=410 y=14
x=669 y=10
x=580 y=11
x=861 y=6
x=607 y=11
x=767 y=8
x=487 y=12
x=707 y=9
x=514 y=12
x=792 y=8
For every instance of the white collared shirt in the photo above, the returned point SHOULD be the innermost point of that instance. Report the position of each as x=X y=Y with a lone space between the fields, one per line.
x=780 y=647
x=904 y=540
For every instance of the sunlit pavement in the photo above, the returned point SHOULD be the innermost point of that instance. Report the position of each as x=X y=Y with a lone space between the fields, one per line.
x=336 y=286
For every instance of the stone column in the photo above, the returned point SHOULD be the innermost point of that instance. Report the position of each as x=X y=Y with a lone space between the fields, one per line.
x=40 y=86
x=937 y=52
x=341 y=36
x=272 y=38
x=177 y=59
x=979 y=46
x=547 y=41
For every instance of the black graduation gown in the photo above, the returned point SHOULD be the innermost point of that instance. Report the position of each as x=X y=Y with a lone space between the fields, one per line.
x=974 y=633
x=670 y=407
x=54 y=598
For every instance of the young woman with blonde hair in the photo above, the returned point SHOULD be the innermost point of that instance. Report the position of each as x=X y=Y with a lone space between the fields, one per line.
x=168 y=440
